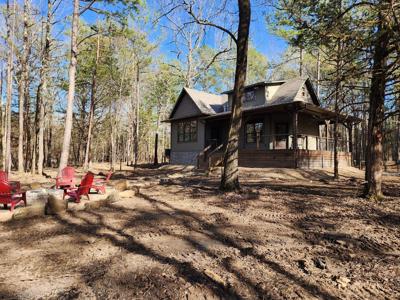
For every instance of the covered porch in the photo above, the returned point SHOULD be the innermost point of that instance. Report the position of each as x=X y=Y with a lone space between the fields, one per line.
x=288 y=136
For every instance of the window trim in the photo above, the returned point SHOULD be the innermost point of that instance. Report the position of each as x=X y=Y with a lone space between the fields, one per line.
x=192 y=131
x=253 y=123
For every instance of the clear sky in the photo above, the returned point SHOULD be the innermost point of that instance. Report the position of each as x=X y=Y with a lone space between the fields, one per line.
x=268 y=44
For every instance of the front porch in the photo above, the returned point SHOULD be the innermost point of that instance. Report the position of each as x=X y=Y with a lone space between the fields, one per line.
x=267 y=139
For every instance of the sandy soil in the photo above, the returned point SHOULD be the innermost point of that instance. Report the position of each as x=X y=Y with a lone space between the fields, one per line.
x=291 y=234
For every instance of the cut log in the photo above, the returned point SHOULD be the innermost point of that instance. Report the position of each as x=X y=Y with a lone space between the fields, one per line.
x=28 y=212
x=55 y=202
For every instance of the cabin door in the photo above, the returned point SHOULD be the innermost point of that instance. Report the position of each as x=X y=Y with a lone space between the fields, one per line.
x=281 y=135
x=215 y=136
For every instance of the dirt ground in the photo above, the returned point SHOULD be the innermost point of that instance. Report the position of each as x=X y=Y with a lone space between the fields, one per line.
x=291 y=234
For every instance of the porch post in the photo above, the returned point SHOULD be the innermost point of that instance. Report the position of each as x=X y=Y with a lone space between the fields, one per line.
x=295 y=120
x=326 y=135
x=350 y=128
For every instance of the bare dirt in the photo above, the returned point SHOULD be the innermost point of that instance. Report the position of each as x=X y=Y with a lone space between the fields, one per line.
x=291 y=234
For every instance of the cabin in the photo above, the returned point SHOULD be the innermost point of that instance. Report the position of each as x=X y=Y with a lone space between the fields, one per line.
x=283 y=125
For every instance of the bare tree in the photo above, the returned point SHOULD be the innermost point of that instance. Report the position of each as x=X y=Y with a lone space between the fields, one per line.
x=230 y=174
x=71 y=86
x=10 y=19
x=92 y=105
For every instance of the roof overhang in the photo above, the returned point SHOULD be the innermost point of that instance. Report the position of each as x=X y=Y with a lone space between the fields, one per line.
x=316 y=111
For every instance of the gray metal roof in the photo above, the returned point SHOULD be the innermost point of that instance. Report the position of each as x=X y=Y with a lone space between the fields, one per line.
x=212 y=104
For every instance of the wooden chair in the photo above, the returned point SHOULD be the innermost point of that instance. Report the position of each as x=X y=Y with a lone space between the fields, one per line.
x=15 y=185
x=83 y=189
x=99 y=184
x=8 y=195
x=66 y=178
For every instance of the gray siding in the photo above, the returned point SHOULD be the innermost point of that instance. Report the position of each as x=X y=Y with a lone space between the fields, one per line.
x=186 y=109
x=259 y=98
x=186 y=152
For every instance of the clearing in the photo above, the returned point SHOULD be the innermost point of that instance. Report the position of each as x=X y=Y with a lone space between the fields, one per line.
x=291 y=234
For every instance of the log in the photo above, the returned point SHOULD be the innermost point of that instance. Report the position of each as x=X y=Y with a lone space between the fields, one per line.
x=28 y=212
x=55 y=202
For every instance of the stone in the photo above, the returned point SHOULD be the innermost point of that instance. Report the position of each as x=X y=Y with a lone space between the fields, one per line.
x=303 y=266
x=342 y=281
x=320 y=263
x=37 y=197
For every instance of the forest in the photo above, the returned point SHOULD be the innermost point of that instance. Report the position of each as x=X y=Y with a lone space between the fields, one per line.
x=92 y=82
x=95 y=208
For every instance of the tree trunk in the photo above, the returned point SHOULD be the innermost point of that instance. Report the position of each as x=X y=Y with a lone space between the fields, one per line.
x=10 y=71
x=230 y=174
x=1 y=117
x=22 y=90
x=71 y=88
x=374 y=168
x=137 y=116
x=42 y=89
x=92 y=105
x=318 y=72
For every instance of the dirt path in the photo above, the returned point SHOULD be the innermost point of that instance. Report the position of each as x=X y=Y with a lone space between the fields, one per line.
x=182 y=239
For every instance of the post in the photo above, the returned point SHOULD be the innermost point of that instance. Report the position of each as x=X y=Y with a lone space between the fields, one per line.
x=156 y=150
x=326 y=135
x=350 y=128
x=295 y=148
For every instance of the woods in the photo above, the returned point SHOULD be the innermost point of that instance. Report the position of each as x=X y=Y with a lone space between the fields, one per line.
x=120 y=84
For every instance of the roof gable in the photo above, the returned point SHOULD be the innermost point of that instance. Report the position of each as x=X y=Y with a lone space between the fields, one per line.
x=205 y=103
x=290 y=91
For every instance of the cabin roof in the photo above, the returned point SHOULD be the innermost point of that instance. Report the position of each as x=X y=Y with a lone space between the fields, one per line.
x=212 y=105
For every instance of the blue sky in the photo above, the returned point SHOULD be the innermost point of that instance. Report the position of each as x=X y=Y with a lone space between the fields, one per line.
x=265 y=42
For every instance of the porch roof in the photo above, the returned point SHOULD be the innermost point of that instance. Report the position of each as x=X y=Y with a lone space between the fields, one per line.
x=318 y=112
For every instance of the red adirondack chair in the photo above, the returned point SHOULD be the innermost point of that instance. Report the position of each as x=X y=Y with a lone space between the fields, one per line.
x=82 y=190
x=15 y=185
x=99 y=184
x=66 y=178
x=8 y=195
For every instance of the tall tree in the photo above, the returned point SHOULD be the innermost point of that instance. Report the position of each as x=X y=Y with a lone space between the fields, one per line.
x=230 y=174
x=121 y=8
x=92 y=105
x=42 y=92
x=10 y=20
x=23 y=86
x=71 y=86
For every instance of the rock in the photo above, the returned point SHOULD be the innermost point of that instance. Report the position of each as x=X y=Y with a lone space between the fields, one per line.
x=28 y=212
x=37 y=197
x=342 y=281
x=303 y=266
x=320 y=263
x=341 y=243
x=121 y=185
x=55 y=203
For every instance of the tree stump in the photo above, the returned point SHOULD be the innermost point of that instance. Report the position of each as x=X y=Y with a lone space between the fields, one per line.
x=55 y=202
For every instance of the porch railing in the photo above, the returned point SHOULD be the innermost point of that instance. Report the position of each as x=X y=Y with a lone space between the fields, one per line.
x=285 y=141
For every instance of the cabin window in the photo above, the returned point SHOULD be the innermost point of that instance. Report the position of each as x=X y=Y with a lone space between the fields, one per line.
x=254 y=132
x=249 y=96
x=187 y=131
